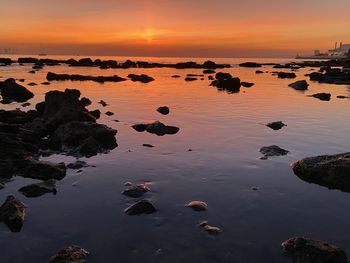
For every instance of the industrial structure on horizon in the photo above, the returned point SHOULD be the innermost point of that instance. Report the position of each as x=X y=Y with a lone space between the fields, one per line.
x=341 y=51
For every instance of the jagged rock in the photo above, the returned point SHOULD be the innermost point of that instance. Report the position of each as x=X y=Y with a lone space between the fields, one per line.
x=163 y=110
x=331 y=171
x=230 y=84
x=299 y=85
x=11 y=91
x=12 y=213
x=71 y=254
x=322 y=96
x=141 y=207
x=135 y=191
x=276 y=125
x=304 y=250
x=141 y=78
x=273 y=150
x=198 y=206
x=39 y=189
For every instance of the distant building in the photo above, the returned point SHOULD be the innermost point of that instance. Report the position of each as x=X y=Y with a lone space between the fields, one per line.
x=341 y=51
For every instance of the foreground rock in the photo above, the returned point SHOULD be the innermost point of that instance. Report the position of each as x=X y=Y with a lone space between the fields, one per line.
x=198 y=206
x=163 y=110
x=322 y=96
x=157 y=128
x=141 y=207
x=71 y=254
x=11 y=91
x=331 y=171
x=273 y=150
x=136 y=191
x=141 y=78
x=12 y=213
x=276 y=125
x=39 y=189
x=304 y=250
x=299 y=85
x=75 y=77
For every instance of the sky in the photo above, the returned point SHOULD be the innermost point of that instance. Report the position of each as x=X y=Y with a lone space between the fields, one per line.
x=195 y=28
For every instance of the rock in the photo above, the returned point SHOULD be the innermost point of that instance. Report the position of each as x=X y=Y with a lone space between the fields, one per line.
x=109 y=113
x=331 y=171
x=259 y=72
x=332 y=76
x=190 y=79
x=85 y=101
x=272 y=150
x=163 y=110
x=299 y=85
x=32 y=84
x=148 y=145
x=322 y=96
x=45 y=83
x=38 y=189
x=304 y=250
x=176 y=76
x=103 y=103
x=231 y=85
x=140 y=127
x=26 y=104
x=222 y=75
x=208 y=71
x=141 y=78
x=95 y=113
x=12 y=213
x=247 y=84
x=141 y=207
x=136 y=191
x=75 y=77
x=203 y=223
x=41 y=170
x=342 y=97
x=71 y=254
x=286 y=75
x=40 y=107
x=198 y=206
x=160 y=129
x=213 y=230
x=77 y=165
x=250 y=65
x=11 y=91
x=276 y=125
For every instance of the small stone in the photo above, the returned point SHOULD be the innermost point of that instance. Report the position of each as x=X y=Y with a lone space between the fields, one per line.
x=103 y=103
x=277 y=125
x=163 y=110
x=109 y=113
x=198 y=206
x=322 y=96
x=135 y=191
x=77 y=165
x=12 y=213
x=203 y=223
x=213 y=230
x=148 y=145
x=247 y=84
x=141 y=207
x=273 y=150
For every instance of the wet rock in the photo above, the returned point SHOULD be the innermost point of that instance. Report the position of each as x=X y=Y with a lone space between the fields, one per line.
x=46 y=83
x=259 y=72
x=213 y=230
x=96 y=113
x=190 y=79
x=141 y=207
x=140 y=127
x=30 y=168
x=109 y=113
x=276 y=125
x=247 y=84
x=141 y=78
x=208 y=71
x=332 y=76
x=163 y=110
x=12 y=213
x=331 y=171
x=286 y=75
x=85 y=101
x=26 y=104
x=11 y=91
x=32 y=84
x=273 y=150
x=304 y=250
x=77 y=165
x=250 y=65
x=136 y=191
x=322 y=96
x=71 y=254
x=148 y=145
x=198 y=206
x=231 y=85
x=299 y=85
x=176 y=76
x=75 y=77
x=222 y=75
x=103 y=103
x=161 y=129
x=39 y=189
x=342 y=97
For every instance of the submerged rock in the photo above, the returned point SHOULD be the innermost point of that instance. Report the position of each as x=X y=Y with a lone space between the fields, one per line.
x=141 y=207
x=103 y=103
x=77 y=165
x=250 y=65
x=141 y=78
x=273 y=150
x=75 y=77
x=286 y=75
x=213 y=230
x=342 y=97
x=190 y=79
x=71 y=254
x=198 y=206
x=109 y=113
x=38 y=189
x=304 y=250
x=322 y=96
x=231 y=85
x=12 y=213
x=148 y=145
x=259 y=72
x=11 y=91
x=299 y=85
x=331 y=171
x=135 y=191
x=41 y=170
x=157 y=128
x=276 y=125
x=163 y=110
x=85 y=101
x=247 y=84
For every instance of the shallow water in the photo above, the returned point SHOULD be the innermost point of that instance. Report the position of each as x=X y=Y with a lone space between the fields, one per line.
x=225 y=132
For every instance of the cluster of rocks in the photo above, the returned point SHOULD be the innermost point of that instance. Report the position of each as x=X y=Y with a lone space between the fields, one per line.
x=157 y=128
x=331 y=76
x=76 y=77
x=225 y=82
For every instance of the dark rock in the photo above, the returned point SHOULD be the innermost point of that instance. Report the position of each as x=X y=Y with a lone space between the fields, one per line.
x=136 y=191
x=190 y=79
x=213 y=230
x=39 y=189
x=286 y=75
x=140 y=127
x=163 y=110
x=71 y=254
x=12 y=213
x=250 y=65
x=32 y=84
x=101 y=79
x=299 y=85
x=160 y=129
x=85 y=101
x=304 y=250
x=109 y=113
x=231 y=85
x=272 y=150
x=208 y=71
x=222 y=75
x=27 y=60
x=77 y=165
x=26 y=104
x=148 y=145
x=331 y=171
x=322 y=96
x=259 y=72
x=103 y=103
x=176 y=76
x=332 y=76
x=30 y=168
x=276 y=125
x=198 y=206
x=141 y=78
x=96 y=113
x=247 y=84
x=141 y=207
x=40 y=107
x=11 y=91
x=342 y=97
x=46 y=83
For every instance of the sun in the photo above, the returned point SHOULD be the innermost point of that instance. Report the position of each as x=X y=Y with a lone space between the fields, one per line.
x=148 y=34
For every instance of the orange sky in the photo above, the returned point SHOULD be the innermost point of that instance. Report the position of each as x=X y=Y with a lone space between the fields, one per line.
x=222 y=28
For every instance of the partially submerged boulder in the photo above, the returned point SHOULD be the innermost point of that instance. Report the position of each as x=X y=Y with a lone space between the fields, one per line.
x=305 y=250
x=136 y=191
x=322 y=96
x=163 y=110
x=299 y=85
x=39 y=189
x=198 y=206
x=141 y=78
x=141 y=207
x=12 y=213
x=157 y=128
x=276 y=125
x=11 y=91
x=331 y=171
x=71 y=254
x=273 y=150
x=286 y=75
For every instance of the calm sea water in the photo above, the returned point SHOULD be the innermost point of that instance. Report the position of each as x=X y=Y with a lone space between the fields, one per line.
x=225 y=132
